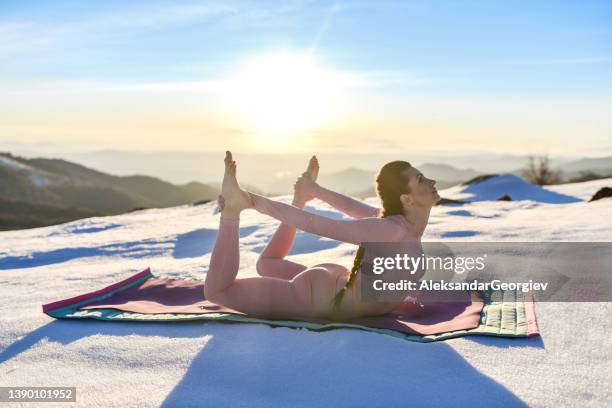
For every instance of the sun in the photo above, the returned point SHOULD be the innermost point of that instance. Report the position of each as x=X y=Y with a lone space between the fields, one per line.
x=283 y=93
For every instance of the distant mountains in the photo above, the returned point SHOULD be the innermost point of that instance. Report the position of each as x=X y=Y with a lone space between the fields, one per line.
x=38 y=192
x=264 y=169
x=599 y=165
x=360 y=183
x=267 y=171
x=578 y=170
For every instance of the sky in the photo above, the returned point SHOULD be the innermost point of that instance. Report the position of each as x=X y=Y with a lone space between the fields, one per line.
x=516 y=77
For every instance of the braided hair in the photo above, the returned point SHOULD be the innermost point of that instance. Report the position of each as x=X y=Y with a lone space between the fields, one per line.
x=391 y=183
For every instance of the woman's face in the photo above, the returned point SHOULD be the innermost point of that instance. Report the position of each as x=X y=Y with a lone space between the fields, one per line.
x=422 y=189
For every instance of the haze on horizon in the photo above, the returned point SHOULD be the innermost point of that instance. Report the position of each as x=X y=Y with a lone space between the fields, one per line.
x=304 y=76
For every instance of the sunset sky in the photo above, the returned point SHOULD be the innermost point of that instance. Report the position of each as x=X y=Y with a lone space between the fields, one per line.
x=276 y=76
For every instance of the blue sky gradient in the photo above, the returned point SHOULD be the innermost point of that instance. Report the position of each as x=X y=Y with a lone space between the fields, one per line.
x=514 y=52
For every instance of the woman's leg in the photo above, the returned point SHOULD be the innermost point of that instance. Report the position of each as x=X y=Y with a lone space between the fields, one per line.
x=271 y=262
x=263 y=296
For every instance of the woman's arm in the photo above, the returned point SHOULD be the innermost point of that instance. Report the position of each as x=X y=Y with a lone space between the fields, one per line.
x=349 y=206
x=352 y=231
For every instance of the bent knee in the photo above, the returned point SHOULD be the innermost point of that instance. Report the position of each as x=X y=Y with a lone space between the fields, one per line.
x=262 y=265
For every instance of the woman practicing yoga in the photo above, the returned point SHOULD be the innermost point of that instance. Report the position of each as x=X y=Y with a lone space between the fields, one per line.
x=287 y=289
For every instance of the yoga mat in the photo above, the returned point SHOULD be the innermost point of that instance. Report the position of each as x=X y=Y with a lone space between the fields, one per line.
x=146 y=298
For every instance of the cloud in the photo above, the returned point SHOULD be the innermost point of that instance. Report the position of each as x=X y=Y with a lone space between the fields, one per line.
x=31 y=37
x=25 y=36
x=74 y=87
x=334 y=9
x=342 y=79
x=165 y=15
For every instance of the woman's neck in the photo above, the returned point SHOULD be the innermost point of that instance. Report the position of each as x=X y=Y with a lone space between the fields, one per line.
x=417 y=218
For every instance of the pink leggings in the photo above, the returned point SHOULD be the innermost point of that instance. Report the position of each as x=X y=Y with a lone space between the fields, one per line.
x=286 y=289
x=271 y=262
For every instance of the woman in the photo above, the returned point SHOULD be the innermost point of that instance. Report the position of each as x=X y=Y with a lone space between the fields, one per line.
x=289 y=290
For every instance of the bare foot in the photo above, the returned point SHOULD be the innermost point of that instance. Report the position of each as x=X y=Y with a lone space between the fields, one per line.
x=220 y=204
x=306 y=184
x=313 y=168
x=233 y=197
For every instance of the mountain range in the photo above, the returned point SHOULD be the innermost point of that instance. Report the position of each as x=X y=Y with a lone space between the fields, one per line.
x=36 y=192
x=360 y=183
x=264 y=170
x=39 y=191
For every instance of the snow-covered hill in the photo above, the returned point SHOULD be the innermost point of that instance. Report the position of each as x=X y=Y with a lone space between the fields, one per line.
x=254 y=365
x=584 y=190
x=495 y=187
x=37 y=177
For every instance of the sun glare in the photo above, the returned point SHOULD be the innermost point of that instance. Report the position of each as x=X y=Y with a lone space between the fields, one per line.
x=283 y=93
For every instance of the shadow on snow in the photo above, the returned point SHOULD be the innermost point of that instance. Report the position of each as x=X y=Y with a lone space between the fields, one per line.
x=298 y=368
x=188 y=245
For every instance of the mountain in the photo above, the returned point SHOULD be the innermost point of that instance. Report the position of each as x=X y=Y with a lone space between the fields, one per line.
x=446 y=174
x=588 y=164
x=15 y=214
x=585 y=169
x=346 y=181
x=53 y=189
x=262 y=169
x=360 y=183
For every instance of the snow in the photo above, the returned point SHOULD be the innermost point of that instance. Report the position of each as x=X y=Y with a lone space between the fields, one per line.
x=506 y=184
x=13 y=164
x=234 y=365
x=584 y=190
x=36 y=176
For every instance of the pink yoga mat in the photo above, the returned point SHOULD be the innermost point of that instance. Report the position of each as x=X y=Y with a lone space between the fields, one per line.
x=162 y=295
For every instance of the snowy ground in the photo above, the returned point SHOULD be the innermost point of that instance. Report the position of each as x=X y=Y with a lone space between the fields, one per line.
x=217 y=365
